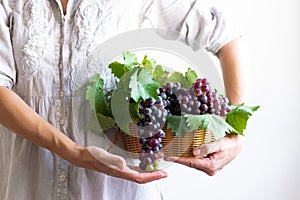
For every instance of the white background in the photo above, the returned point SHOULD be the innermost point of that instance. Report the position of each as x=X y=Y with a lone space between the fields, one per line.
x=268 y=168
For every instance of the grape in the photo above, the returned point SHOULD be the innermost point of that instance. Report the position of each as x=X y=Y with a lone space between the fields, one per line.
x=163 y=96
x=147 y=160
x=169 y=85
x=203 y=81
x=184 y=107
x=198 y=92
x=155 y=163
x=155 y=148
x=154 y=142
x=203 y=108
x=173 y=100
x=210 y=110
x=147 y=111
x=143 y=140
x=149 y=168
x=210 y=104
x=188 y=110
x=202 y=98
x=142 y=166
x=185 y=99
x=177 y=85
x=161 y=134
x=197 y=104
x=191 y=103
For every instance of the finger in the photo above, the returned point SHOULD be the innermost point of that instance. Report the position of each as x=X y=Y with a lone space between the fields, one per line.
x=140 y=177
x=206 y=149
x=200 y=164
x=149 y=177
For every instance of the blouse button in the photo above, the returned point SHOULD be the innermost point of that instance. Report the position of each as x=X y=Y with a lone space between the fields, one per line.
x=61 y=94
x=60 y=66
x=61 y=41
x=62 y=178
x=61 y=122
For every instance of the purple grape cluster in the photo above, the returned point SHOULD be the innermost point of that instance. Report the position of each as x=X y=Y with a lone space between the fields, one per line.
x=173 y=100
x=211 y=101
x=150 y=132
x=197 y=100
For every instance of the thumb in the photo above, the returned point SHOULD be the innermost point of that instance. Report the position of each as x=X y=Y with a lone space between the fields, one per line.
x=205 y=149
x=107 y=158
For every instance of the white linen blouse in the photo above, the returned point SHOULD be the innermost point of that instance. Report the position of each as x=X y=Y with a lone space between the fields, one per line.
x=42 y=56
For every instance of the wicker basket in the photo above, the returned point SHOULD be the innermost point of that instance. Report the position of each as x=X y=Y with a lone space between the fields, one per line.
x=172 y=145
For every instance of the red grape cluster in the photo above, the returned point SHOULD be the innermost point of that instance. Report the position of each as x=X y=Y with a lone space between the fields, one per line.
x=211 y=102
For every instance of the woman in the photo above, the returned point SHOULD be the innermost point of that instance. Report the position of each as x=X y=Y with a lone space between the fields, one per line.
x=43 y=45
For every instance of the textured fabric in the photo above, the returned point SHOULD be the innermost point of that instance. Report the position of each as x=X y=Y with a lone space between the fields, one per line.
x=45 y=58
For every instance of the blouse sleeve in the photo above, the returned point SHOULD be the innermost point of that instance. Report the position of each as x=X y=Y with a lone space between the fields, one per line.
x=190 y=21
x=7 y=65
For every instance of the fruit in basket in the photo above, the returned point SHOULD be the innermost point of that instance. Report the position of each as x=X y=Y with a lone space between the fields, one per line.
x=153 y=117
x=150 y=97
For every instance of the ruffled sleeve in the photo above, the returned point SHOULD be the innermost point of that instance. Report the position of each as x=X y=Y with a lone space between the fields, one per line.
x=7 y=64
x=190 y=21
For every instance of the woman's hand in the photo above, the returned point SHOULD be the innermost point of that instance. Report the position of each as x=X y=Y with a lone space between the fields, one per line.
x=211 y=158
x=234 y=60
x=100 y=160
x=17 y=116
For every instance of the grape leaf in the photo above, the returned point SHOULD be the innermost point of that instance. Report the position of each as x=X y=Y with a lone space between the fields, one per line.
x=215 y=123
x=142 y=86
x=90 y=91
x=95 y=96
x=160 y=75
x=120 y=109
x=134 y=110
x=148 y=64
x=191 y=76
x=105 y=122
x=239 y=115
x=118 y=69
x=178 y=77
x=178 y=125
x=130 y=60
x=196 y=122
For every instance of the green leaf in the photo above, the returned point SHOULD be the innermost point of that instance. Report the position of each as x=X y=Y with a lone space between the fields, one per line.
x=105 y=122
x=95 y=96
x=130 y=60
x=142 y=86
x=215 y=123
x=134 y=111
x=148 y=64
x=178 y=125
x=90 y=91
x=196 y=122
x=117 y=69
x=159 y=75
x=178 y=77
x=191 y=75
x=239 y=115
x=120 y=109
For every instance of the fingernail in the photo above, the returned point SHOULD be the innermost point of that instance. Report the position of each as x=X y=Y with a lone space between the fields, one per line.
x=171 y=158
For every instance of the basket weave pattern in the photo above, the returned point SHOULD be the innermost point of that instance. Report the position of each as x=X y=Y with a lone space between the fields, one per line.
x=172 y=145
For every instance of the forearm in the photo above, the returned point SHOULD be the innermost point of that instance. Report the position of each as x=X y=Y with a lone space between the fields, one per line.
x=234 y=60
x=17 y=116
